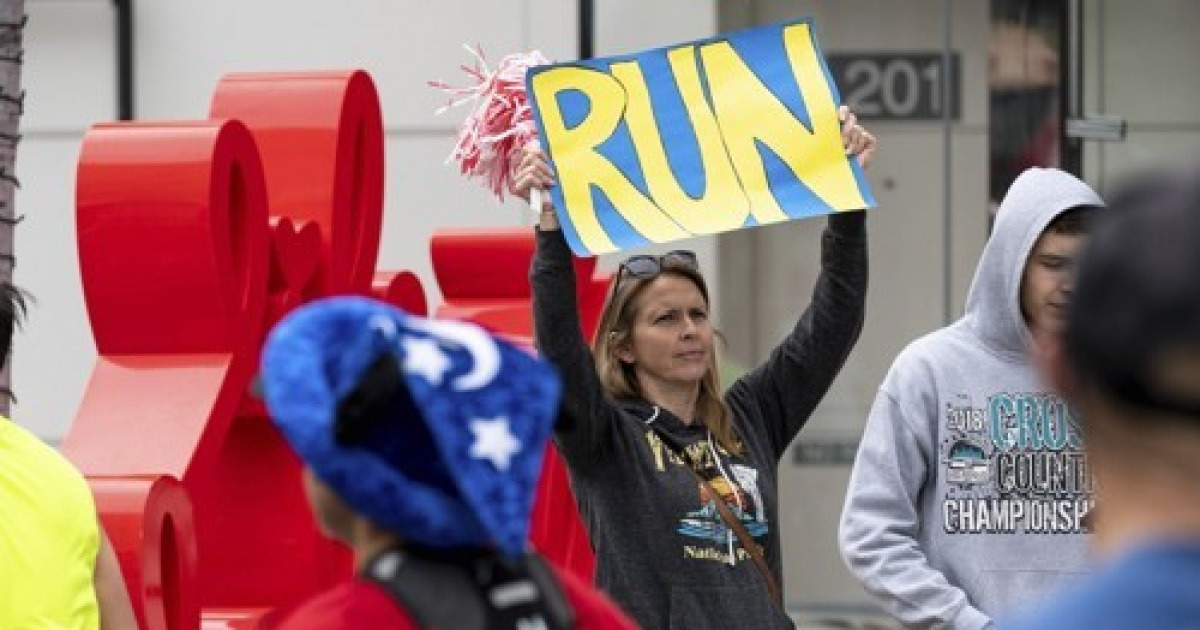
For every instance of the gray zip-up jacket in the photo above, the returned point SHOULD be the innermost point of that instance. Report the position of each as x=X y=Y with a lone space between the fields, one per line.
x=966 y=494
x=662 y=551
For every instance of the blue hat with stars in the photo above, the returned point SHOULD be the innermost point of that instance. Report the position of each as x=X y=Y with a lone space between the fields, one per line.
x=431 y=429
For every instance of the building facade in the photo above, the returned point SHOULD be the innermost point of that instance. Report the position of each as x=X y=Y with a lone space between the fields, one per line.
x=1101 y=87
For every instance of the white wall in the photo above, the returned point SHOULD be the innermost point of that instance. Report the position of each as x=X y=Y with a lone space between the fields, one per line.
x=1140 y=64
x=183 y=47
x=69 y=80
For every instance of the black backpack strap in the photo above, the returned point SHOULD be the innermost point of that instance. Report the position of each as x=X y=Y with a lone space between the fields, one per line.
x=435 y=595
x=559 y=613
x=477 y=591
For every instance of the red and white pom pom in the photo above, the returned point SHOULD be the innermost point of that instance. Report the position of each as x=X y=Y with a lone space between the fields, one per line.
x=501 y=125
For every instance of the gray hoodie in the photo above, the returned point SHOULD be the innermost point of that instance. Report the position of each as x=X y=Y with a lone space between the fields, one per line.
x=969 y=484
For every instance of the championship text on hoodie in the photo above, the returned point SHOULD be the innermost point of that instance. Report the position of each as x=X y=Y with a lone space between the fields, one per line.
x=1023 y=454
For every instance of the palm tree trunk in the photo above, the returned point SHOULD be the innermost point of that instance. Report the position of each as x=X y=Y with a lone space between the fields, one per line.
x=12 y=97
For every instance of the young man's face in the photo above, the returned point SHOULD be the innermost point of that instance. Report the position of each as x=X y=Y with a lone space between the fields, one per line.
x=1046 y=284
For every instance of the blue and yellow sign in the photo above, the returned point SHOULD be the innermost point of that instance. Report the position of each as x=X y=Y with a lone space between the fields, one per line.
x=698 y=138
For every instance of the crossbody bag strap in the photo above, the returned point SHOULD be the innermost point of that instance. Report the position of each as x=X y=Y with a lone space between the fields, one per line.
x=730 y=520
x=744 y=536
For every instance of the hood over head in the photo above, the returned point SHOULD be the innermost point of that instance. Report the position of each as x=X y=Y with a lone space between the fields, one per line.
x=1033 y=200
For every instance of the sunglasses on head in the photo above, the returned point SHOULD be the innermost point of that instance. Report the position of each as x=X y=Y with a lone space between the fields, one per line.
x=647 y=266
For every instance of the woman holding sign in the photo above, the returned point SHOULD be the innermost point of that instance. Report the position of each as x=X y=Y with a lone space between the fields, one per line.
x=677 y=483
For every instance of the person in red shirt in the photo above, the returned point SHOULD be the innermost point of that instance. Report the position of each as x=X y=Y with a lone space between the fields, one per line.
x=360 y=604
x=422 y=442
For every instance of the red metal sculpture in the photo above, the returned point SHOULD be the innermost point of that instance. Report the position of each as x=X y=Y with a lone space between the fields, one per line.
x=194 y=238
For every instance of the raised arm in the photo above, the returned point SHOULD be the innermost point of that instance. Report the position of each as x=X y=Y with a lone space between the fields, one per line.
x=881 y=520
x=792 y=381
x=583 y=431
x=799 y=371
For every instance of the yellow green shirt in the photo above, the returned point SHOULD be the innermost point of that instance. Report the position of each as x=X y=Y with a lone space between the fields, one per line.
x=49 y=538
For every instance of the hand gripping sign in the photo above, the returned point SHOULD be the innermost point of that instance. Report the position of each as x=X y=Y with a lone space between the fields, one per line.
x=699 y=138
x=194 y=238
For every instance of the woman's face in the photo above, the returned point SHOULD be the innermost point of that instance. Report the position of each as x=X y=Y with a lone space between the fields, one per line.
x=671 y=341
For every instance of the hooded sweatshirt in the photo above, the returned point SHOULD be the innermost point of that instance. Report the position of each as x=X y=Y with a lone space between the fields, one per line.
x=662 y=550
x=969 y=485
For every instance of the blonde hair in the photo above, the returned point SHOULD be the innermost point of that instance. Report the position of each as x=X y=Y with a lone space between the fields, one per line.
x=619 y=379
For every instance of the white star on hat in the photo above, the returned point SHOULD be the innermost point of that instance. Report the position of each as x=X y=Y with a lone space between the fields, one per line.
x=424 y=357
x=494 y=441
